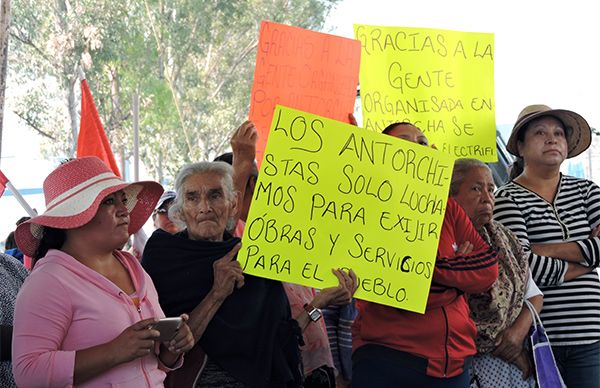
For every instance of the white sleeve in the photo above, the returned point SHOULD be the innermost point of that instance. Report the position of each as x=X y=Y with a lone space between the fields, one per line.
x=532 y=288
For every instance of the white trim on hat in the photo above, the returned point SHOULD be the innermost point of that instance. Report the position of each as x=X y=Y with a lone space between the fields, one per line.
x=81 y=187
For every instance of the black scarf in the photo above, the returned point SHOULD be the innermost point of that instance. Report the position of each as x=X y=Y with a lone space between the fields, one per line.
x=252 y=336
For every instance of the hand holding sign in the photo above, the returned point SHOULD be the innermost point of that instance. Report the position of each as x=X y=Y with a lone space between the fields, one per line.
x=340 y=295
x=243 y=141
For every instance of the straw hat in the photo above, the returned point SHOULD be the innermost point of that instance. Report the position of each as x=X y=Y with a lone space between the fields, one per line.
x=577 y=130
x=73 y=192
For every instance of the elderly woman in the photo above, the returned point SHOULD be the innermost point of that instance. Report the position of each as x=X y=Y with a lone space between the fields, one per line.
x=307 y=305
x=84 y=315
x=556 y=217
x=502 y=319
x=247 y=332
x=394 y=347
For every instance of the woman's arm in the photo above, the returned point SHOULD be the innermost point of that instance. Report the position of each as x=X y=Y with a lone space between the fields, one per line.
x=509 y=343
x=43 y=315
x=575 y=270
x=473 y=268
x=332 y=296
x=227 y=275
x=546 y=270
x=580 y=252
x=586 y=251
x=170 y=352
x=134 y=342
x=243 y=145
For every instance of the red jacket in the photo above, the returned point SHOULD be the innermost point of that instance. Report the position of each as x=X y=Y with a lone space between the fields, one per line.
x=444 y=334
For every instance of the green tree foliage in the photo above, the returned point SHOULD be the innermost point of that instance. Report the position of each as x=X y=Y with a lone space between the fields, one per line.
x=191 y=62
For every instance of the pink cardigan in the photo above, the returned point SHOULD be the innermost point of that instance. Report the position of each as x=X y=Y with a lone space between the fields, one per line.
x=65 y=306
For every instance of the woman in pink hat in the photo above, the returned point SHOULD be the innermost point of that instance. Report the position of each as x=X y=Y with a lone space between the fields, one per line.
x=557 y=219
x=84 y=315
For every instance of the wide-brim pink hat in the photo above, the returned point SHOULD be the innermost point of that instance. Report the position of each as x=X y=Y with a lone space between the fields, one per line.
x=73 y=193
x=578 y=131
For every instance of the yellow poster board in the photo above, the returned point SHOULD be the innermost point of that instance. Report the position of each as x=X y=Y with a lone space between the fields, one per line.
x=440 y=80
x=332 y=195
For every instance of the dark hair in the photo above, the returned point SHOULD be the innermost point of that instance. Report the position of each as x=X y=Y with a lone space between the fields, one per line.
x=227 y=157
x=10 y=242
x=516 y=168
x=53 y=238
x=23 y=219
x=462 y=167
x=388 y=129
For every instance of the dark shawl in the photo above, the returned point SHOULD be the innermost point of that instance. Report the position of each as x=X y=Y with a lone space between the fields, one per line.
x=252 y=335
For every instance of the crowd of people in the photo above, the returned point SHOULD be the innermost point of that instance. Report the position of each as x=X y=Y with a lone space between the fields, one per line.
x=90 y=313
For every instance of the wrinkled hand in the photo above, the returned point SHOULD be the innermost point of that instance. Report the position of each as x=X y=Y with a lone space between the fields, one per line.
x=464 y=249
x=183 y=340
x=509 y=345
x=136 y=341
x=227 y=274
x=243 y=141
x=595 y=232
x=523 y=362
x=340 y=295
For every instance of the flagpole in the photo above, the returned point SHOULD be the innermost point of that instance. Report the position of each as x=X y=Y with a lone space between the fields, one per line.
x=19 y=197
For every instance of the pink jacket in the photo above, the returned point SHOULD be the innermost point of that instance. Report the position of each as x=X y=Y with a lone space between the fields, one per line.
x=65 y=306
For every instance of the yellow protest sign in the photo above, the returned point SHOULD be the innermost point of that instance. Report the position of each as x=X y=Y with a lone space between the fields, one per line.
x=440 y=80
x=331 y=195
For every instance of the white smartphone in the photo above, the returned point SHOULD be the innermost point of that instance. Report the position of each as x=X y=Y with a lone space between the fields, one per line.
x=168 y=328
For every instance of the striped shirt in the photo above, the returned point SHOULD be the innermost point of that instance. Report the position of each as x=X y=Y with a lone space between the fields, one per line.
x=571 y=313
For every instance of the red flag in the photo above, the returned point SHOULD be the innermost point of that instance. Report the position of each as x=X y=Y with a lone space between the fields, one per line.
x=92 y=139
x=3 y=181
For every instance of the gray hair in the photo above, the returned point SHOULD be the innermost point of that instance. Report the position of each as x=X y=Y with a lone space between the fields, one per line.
x=222 y=169
x=461 y=167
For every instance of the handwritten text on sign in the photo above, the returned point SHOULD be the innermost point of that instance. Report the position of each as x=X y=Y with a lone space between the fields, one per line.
x=442 y=81
x=302 y=69
x=331 y=195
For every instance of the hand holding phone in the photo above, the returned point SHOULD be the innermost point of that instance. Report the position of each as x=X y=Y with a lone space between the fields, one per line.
x=167 y=327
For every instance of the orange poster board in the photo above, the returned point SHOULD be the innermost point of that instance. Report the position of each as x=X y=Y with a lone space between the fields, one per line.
x=305 y=70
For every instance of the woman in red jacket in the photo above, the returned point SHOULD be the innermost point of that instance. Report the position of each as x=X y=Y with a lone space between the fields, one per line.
x=393 y=347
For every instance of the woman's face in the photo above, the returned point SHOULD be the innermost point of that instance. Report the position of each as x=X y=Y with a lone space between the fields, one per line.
x=544 y=142
x=206 y=208
x=409 y=132
x=476 y=195
x=110 y=226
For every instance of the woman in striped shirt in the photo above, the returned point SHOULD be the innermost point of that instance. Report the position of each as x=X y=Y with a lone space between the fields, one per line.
x=557 y=219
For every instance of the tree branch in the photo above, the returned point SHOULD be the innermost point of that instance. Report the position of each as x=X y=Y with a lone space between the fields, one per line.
x=33 y=125
x=28 y=42
x=247 y=51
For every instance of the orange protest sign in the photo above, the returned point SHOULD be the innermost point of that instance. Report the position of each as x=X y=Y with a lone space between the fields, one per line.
x=305 y=70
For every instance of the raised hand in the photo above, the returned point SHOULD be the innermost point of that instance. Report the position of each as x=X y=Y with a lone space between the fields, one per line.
x=243 y=141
